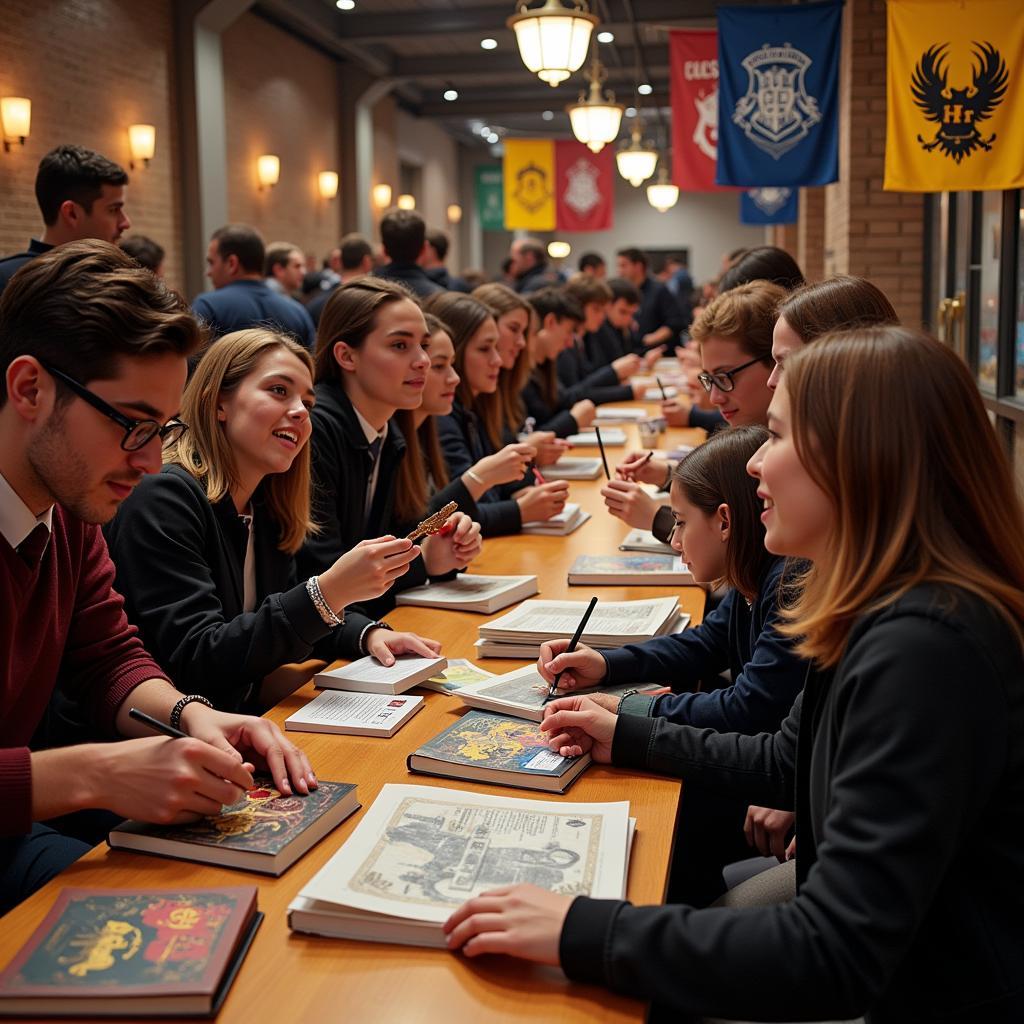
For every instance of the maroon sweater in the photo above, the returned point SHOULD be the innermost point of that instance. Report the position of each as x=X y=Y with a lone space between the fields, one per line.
x=63 y=616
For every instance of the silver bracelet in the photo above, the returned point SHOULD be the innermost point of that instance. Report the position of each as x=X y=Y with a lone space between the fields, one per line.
x=475 y=478
x=320 y=603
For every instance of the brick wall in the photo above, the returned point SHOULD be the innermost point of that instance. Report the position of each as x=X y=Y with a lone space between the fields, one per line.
x=810 y=241
x=281 y=97
x=91 y=69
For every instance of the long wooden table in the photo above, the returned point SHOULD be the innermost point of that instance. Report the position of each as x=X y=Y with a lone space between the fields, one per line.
x=291 y=977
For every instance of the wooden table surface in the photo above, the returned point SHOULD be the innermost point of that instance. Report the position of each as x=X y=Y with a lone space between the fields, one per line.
x=293 y=977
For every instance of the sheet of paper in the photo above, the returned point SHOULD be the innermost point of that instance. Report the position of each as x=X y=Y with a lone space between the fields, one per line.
x=339 y=707
x=369 y=670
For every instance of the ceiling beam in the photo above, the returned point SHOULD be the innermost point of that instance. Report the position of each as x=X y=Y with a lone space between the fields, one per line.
x=456 y=67
x=488 y=106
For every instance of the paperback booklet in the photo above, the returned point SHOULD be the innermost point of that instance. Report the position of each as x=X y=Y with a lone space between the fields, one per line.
x=523 y=694
x=458 y=674
x=354 y=714
x=368 y=675
x=644 y=540
x=611 y=437
x=420 y=852
x=118 y=953
x=469 y=592
x=627 y=413
x=638 y=570
x=572 y=467
x=264 y=832
x=571 y=518
x=485 y=747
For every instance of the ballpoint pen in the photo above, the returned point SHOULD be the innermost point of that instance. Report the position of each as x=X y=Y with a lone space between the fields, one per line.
x=572 y=645
x=604 y=458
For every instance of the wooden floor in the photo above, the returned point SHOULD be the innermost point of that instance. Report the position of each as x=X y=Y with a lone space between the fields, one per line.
x=288 y=977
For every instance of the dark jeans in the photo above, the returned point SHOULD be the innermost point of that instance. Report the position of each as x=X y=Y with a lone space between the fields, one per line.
x=28 y=862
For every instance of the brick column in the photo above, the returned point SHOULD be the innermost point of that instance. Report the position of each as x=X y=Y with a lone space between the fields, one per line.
x=783 y=236
x=810 y=231
x=870 y=233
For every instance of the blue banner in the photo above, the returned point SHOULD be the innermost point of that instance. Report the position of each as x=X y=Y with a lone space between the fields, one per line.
x=778 y=95
x=769 y=205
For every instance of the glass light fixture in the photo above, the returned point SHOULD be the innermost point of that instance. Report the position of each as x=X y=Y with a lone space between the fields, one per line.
x=553 y=40
x=141 y=143
x=606 y=37
x=406 y=201
x=451 y=95
x=454 y=213
x=488 y=44
x=559 y=250
x=15 y=119
x=636 y=162
x=268 y=170
x=595 y=119
x=345 y=5
x=645 y=88
x=381 y=195
x=327 y=184
x=663 y=195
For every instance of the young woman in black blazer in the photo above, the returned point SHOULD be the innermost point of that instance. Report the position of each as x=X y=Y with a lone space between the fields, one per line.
x=904 y=755
x=205 y=549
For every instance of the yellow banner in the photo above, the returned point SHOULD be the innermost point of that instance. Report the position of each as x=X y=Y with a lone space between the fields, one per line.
x=955 y=95
x=529 y=173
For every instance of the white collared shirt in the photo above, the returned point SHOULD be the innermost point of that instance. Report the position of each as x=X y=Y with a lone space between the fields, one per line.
x=371 y=435
x=16 y=518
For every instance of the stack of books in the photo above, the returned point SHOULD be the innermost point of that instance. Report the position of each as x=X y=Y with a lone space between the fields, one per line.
x=368 y=675
x=572 y=467
x=520 y=632
x=644 y=540
x=571 y=518
x=469 y=592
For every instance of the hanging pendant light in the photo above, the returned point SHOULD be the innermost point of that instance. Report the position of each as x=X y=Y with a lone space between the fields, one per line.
x=553 y=39
x=595 y=119
x=663 y=195
x=636 y=162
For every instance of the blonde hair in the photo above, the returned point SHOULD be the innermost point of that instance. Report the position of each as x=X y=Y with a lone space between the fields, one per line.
x=204 y=451
x=890 y=425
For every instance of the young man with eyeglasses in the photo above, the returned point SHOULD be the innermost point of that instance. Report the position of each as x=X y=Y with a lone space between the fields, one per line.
x=93 y=352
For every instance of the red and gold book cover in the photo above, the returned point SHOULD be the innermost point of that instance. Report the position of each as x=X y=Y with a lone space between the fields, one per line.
x=106 y=942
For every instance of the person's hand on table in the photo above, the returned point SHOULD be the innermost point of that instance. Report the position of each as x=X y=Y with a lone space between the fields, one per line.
x=579 y=724
x=543 y=501
x=385 y=645
x=677 y=411
x=766 y=830
x=636 y=466
x=583 y=412
x=582 y=668
x=652 y=355
x=519 y=920
x=549 y=448
x=625 y=366
x=630 y=502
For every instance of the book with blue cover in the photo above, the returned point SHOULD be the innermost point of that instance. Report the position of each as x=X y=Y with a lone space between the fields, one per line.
x=485 y=747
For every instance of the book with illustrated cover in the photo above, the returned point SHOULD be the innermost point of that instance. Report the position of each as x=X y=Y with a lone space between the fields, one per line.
x=571 y=518
x=469 y=592
x=572 y=467
x=421 y=851
x=354 y=714
x=264 y=832
x=368 y=675
x=644 y=540
x=459 y=673
x=117 y=953
x=485 y=747
x=625 y=570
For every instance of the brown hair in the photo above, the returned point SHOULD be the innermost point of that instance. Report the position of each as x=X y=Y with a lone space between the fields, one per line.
x=423 y=453
x=585 y=288
x=503 y=300
x=83 y=306
x=836 y=303
x=464 y=316
x=745 y=315
x=932 y=500
x=715 y=473
x=204 y=451
x=349 y=315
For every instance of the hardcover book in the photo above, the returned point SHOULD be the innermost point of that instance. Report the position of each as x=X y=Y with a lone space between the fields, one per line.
x=264 y=832
x=368 y=675
x=571 y=518
x=115 y=953
x=644 y=540
x=468 y=592
x=354 y=714
x=485 y=747
x=572 y=467
x=625 y=570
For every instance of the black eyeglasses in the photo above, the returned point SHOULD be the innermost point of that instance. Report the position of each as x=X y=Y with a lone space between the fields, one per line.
x=137 y=433
x=723 y=380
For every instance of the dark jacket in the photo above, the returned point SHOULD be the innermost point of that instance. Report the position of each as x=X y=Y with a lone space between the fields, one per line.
x=905 y=765
x=558 y=419
x=413 y=276
x=10 y=265
x=607 y=344
x=766 y=674
x=465 y=443
x=244 y=304
x=580 y=378
x=445 y=281
x=180 y=565
x=658 y=308
x=542 y=276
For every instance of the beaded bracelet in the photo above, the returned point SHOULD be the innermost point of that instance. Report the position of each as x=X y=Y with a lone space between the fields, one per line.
x=325 y=611
x=194 y=698
x=366 y=629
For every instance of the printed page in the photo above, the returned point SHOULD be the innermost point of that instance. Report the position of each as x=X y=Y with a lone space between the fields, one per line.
x=369 y=670
x=560 y=618
x=466 y=587
x=420 y=852
x=339 y=707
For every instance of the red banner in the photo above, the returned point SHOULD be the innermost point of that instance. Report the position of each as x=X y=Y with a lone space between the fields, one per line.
x=693 y=62
x=584 y=187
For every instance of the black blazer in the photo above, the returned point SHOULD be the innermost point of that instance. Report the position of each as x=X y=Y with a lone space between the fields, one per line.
x=905 y=765
x=558 y=419
x=581 y=379
x=180 y=566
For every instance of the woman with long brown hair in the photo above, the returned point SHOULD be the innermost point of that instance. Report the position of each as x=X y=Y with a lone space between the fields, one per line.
x=904 y=755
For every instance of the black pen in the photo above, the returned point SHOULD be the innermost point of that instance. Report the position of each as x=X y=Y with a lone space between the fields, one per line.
x=155 y=723
x=604 y=458
x=573 y=642
x=662 y=386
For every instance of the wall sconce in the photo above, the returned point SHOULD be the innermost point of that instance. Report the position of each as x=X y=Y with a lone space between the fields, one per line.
x=327 y=183
x=141 y=143
x=454 y=213
x=16 y=118
x=268 y=170
x=381 y=196
x=406 y=202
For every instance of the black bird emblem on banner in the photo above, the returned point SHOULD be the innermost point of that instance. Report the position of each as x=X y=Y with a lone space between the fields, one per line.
x=959 y=111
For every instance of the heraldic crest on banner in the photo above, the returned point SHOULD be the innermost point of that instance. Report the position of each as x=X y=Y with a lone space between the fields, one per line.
x=532 y=190
x=582 y=194
x=777 y=112
x=958 y=111
x=770 y=199
x=705 y=132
